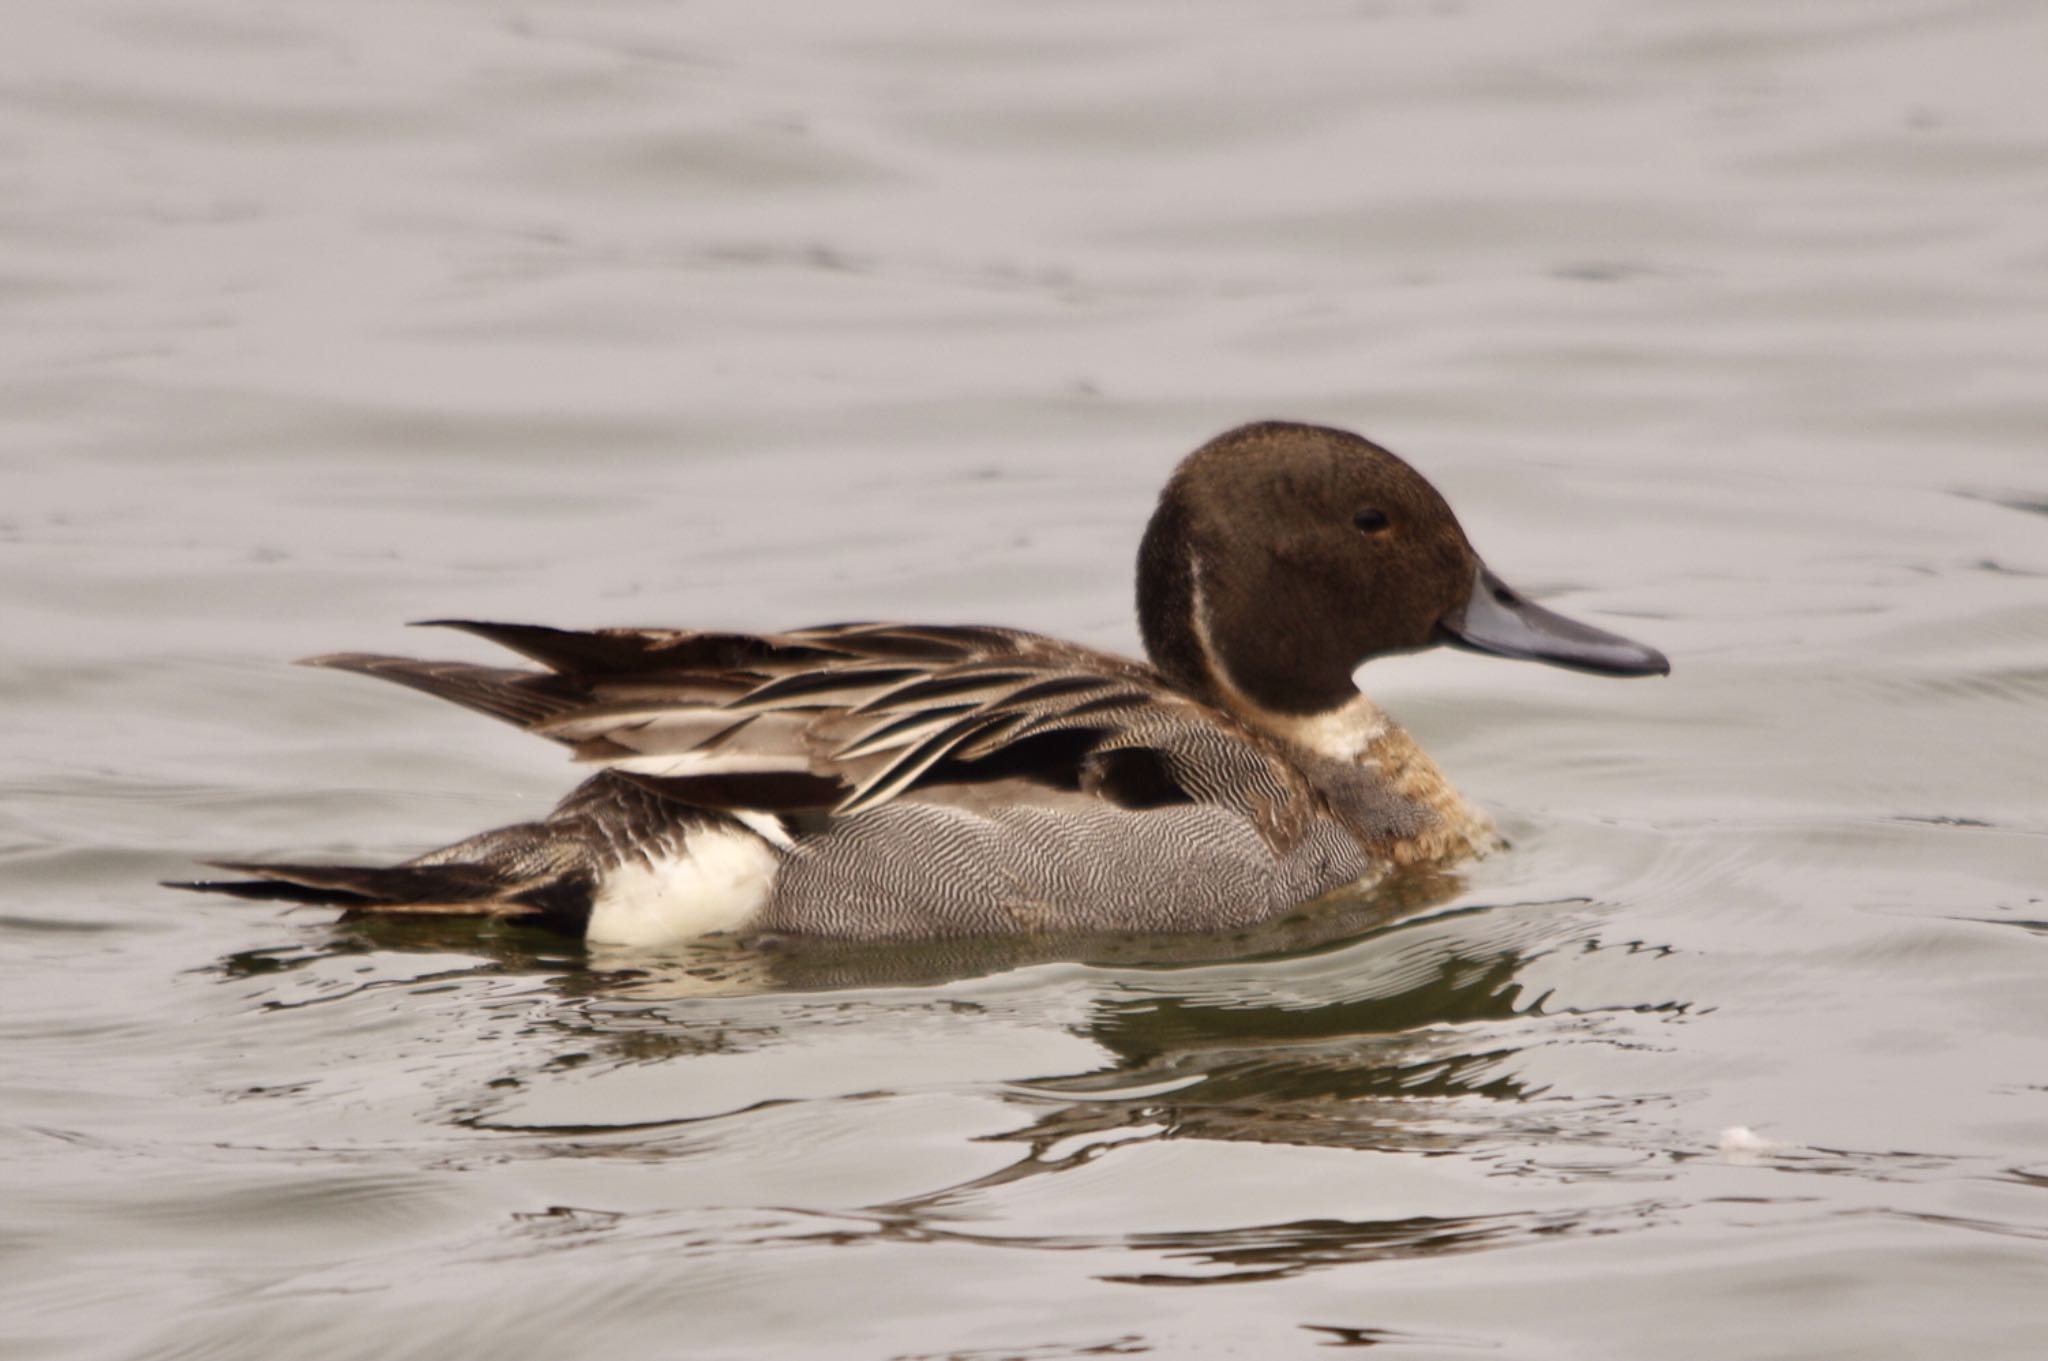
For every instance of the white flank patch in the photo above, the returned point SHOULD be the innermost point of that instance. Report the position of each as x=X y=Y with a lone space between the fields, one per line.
x=719 y=883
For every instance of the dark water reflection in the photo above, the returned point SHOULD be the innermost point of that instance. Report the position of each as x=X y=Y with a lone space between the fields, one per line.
x=1354 y=1025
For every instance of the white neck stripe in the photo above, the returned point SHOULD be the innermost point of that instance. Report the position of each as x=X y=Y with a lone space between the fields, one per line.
x=1341 y=734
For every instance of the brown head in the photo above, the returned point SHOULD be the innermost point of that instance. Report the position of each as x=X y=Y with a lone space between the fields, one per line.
x=1283 y=556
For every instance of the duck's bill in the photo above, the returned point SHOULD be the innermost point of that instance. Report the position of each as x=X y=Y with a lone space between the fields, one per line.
x=1497 y=620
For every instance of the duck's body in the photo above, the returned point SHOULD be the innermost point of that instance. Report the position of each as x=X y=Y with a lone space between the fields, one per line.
x=881 y=781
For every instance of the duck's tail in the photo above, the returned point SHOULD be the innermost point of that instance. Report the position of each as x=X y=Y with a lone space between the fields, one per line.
x=458 y=888
x=550 y=873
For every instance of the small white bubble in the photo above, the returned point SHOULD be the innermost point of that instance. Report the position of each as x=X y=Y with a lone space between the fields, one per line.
x=1741 y=1144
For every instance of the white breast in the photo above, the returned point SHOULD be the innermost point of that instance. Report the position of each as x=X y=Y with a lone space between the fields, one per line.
x=720 y=882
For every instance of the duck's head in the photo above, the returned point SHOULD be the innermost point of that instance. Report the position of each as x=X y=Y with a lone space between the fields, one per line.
x=1283 y=556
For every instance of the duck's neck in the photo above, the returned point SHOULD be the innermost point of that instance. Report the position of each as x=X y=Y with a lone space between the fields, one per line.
x=1261 y=686
x=1348 y=731
x=1379 y=782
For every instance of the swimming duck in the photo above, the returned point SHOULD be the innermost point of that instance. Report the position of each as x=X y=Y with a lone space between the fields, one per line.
x=875 y=781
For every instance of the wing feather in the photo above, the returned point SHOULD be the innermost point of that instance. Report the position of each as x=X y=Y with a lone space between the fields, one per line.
x=900 y=732
x=898 y=775
x=827 y=685
x=846 y=717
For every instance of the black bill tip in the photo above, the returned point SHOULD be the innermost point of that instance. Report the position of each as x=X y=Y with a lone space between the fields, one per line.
x=1499 y=620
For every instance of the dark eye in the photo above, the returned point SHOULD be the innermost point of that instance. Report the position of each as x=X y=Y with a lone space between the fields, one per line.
x=1369 y=521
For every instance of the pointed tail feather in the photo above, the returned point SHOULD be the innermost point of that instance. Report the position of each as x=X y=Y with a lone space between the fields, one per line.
x=447 y=890
x=521 y=697
x=270 y=890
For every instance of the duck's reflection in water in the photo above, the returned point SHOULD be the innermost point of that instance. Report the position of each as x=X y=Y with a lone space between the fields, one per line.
x=1372 y=1021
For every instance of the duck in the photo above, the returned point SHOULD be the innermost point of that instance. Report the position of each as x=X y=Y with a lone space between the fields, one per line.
x=878 y=781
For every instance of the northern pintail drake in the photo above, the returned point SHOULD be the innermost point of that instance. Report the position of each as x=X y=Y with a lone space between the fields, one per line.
x=877 y=781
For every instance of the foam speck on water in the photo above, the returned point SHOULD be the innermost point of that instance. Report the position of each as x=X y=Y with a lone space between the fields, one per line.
x=1741 y=1144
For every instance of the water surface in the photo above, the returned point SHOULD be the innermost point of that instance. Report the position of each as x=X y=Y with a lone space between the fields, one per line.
x=1721 y=326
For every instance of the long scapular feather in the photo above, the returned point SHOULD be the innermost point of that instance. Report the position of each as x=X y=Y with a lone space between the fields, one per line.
x=901 y=731
x=898 y=775
x=959 y=685
x=823 y=687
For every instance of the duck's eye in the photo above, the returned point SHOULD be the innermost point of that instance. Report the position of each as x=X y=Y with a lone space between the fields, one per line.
x=1369 y=521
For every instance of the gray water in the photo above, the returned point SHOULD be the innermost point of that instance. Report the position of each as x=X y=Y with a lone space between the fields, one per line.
x=1721 y=324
